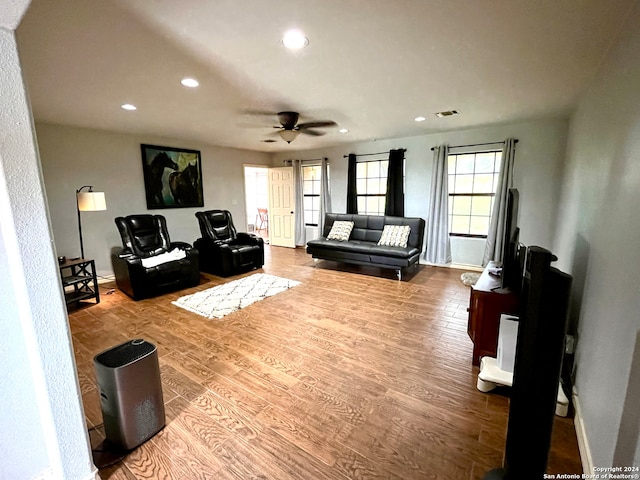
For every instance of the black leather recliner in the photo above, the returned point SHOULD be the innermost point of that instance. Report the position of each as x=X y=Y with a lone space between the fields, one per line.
x=223 y=251
x=144 y=238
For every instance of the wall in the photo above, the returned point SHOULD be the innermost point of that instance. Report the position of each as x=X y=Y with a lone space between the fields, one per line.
x=42 y=427
x=539 y=159
x=111 y=162
x=312 y=232
x=597 y=236
x=467 y=251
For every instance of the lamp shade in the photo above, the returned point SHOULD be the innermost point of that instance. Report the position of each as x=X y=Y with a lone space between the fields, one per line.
x=289 y=135
x=91 y=201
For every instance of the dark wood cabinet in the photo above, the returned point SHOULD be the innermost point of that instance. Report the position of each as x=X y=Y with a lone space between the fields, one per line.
x=79 y=280
x=488 y=301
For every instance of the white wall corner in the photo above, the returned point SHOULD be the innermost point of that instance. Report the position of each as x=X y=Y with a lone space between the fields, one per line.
x=581 y=434
x=48 y=429
x=11 y=13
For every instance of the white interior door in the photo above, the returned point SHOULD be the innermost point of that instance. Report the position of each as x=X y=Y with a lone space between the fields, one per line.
x=281 y=207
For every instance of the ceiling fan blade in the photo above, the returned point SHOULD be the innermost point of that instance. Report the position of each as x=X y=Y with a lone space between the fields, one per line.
x=318 y=124
x=257 y=113
x=308 y=131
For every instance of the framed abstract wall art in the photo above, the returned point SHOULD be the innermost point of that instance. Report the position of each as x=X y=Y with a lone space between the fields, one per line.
x=172 y=177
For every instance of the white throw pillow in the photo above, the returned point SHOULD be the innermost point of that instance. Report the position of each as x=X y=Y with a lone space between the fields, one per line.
x=341 y=230
x=395 y=236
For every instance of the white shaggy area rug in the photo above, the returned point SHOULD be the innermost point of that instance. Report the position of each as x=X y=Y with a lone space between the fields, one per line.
x=224 y=299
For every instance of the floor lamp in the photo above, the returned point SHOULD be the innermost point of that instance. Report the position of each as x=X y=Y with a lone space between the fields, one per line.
x=88 y=201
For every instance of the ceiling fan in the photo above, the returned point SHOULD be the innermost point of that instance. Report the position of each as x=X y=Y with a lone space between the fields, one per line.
x=289 y=128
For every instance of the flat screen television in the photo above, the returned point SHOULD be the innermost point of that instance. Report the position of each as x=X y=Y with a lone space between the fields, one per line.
x=512 y=253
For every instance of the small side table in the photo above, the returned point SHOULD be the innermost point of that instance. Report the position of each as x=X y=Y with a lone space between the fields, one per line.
x=79 y=280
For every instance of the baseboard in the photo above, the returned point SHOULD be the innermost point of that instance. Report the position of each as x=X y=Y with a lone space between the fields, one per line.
x=106 y=278
x=581 y=434
x=462 y=266
x=455 y=266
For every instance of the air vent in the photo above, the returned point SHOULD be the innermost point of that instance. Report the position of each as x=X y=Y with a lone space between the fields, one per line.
x=448 y=113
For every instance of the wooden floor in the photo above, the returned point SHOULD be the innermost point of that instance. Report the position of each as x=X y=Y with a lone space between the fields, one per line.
x=350 y=375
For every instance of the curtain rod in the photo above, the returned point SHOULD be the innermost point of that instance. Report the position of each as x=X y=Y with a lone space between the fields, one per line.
x=367 y=154
x=474 y=145
x=306 y=160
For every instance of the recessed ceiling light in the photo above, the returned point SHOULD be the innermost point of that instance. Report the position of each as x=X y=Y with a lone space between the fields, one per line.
x=189 y=82
x=128 y=106
x=343 y=130
x=420 y=119
x=447 y=113
x=294 y=40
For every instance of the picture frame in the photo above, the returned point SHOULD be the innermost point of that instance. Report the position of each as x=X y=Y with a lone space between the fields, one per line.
x=172 y=177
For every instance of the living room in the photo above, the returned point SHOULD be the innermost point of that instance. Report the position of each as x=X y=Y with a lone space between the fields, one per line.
x=575 y=173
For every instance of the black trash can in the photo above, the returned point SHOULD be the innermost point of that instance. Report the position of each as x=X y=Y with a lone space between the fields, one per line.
x=128 y=377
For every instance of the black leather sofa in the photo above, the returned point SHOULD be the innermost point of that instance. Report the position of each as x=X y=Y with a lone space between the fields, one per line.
x=145 y=237
x=362 y=247
x=223 y=250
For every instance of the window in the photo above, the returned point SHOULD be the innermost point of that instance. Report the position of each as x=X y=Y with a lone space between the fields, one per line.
x=371 y=186
x=311 y=175
x=473 y=179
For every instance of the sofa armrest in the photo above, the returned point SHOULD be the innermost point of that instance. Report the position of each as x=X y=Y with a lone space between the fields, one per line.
x=121 y=252
x=249 y=238
x=127 y=256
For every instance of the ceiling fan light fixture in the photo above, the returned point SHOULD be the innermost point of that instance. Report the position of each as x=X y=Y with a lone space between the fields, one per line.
x=294 y=40
x=288 y=135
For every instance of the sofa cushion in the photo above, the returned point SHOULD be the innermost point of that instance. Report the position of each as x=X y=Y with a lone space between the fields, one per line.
x=395 y=236
x=341 y=231
x=360 y=247
x=350 y=246
x=397 y=252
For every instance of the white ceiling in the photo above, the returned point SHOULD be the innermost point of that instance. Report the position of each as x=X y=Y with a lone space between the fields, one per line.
x=371 y=65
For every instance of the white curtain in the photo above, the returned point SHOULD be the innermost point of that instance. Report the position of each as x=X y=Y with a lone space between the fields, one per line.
x=438 y=245
x=301 y=234
x=325 y=195
x=495 y=237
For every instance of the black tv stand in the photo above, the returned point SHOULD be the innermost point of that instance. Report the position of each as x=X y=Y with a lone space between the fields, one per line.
x=487 y=302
